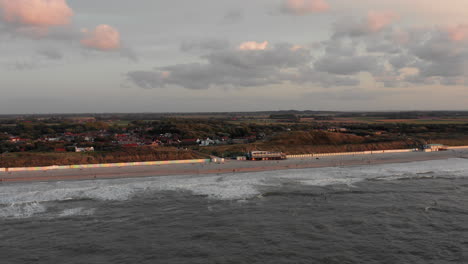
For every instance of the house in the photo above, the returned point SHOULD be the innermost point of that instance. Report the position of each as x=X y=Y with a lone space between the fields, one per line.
x=15 y=139
x=206 y=142
x=337 y=129
x=87 y=149
x=434 y=147
x=18 y=139
x=265 y=155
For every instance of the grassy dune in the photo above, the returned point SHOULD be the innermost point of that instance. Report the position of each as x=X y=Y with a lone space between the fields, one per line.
x=310 y=142
x=31 y=159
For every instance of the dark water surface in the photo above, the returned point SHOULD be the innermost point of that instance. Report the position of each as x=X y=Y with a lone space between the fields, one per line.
x=413 y=219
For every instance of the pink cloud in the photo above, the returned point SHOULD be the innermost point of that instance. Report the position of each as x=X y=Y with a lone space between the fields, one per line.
x=41 y=13
x=458 y=33
x=377 y=21
x=302 y=7
x=297 y=47
x=252 y=45
x=103 y=37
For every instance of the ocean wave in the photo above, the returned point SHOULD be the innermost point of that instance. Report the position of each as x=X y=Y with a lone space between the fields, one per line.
x=79 y=211
x=29 y=199
x=23 y=210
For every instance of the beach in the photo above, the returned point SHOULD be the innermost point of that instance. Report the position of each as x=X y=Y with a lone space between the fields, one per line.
x=404 y=211
x=228 y=167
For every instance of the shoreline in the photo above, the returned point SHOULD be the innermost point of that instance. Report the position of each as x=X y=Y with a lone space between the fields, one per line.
x=229 y=167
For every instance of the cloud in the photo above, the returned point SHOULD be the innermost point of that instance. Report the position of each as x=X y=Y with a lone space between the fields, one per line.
x=458 y=33
x=372 y=49
x=37 y=13
x=233 y=16
x=427 y=56
x=129 y=53
x=204 y=45
x=303 y=7
x=103 y=38
x=373 y=23
x=228 y=68
x=400 y=61
x=348 y=94
x=22 y=65
x=281 y=63
x=252 y=45
x=376 y=21
x=311 y=76
x=438 y=55
x=343 y=65
x=50 y=20
x=51 y=54
x=419 y=12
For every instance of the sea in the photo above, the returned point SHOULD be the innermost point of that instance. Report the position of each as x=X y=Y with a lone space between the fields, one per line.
x=392 y=213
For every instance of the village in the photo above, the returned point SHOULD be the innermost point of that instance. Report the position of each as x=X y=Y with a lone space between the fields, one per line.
x=87 y=135
x=105 y=140
x=146 y=136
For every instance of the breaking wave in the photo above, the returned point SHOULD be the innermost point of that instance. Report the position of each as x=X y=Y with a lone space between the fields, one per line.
x=80 y=211
x=27 y=200
x=22 y=210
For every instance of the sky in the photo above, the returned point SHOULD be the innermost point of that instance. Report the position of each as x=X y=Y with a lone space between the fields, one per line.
x=82 y=56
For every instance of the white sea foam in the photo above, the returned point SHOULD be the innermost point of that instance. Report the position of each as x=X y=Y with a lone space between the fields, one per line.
x=80 y=211
x=28 y=198
x=23 y=210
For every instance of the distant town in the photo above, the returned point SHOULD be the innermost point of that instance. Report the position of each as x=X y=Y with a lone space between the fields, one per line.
x=51 y=139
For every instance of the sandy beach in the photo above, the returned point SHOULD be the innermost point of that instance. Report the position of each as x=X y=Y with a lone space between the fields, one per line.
x=229 y=166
